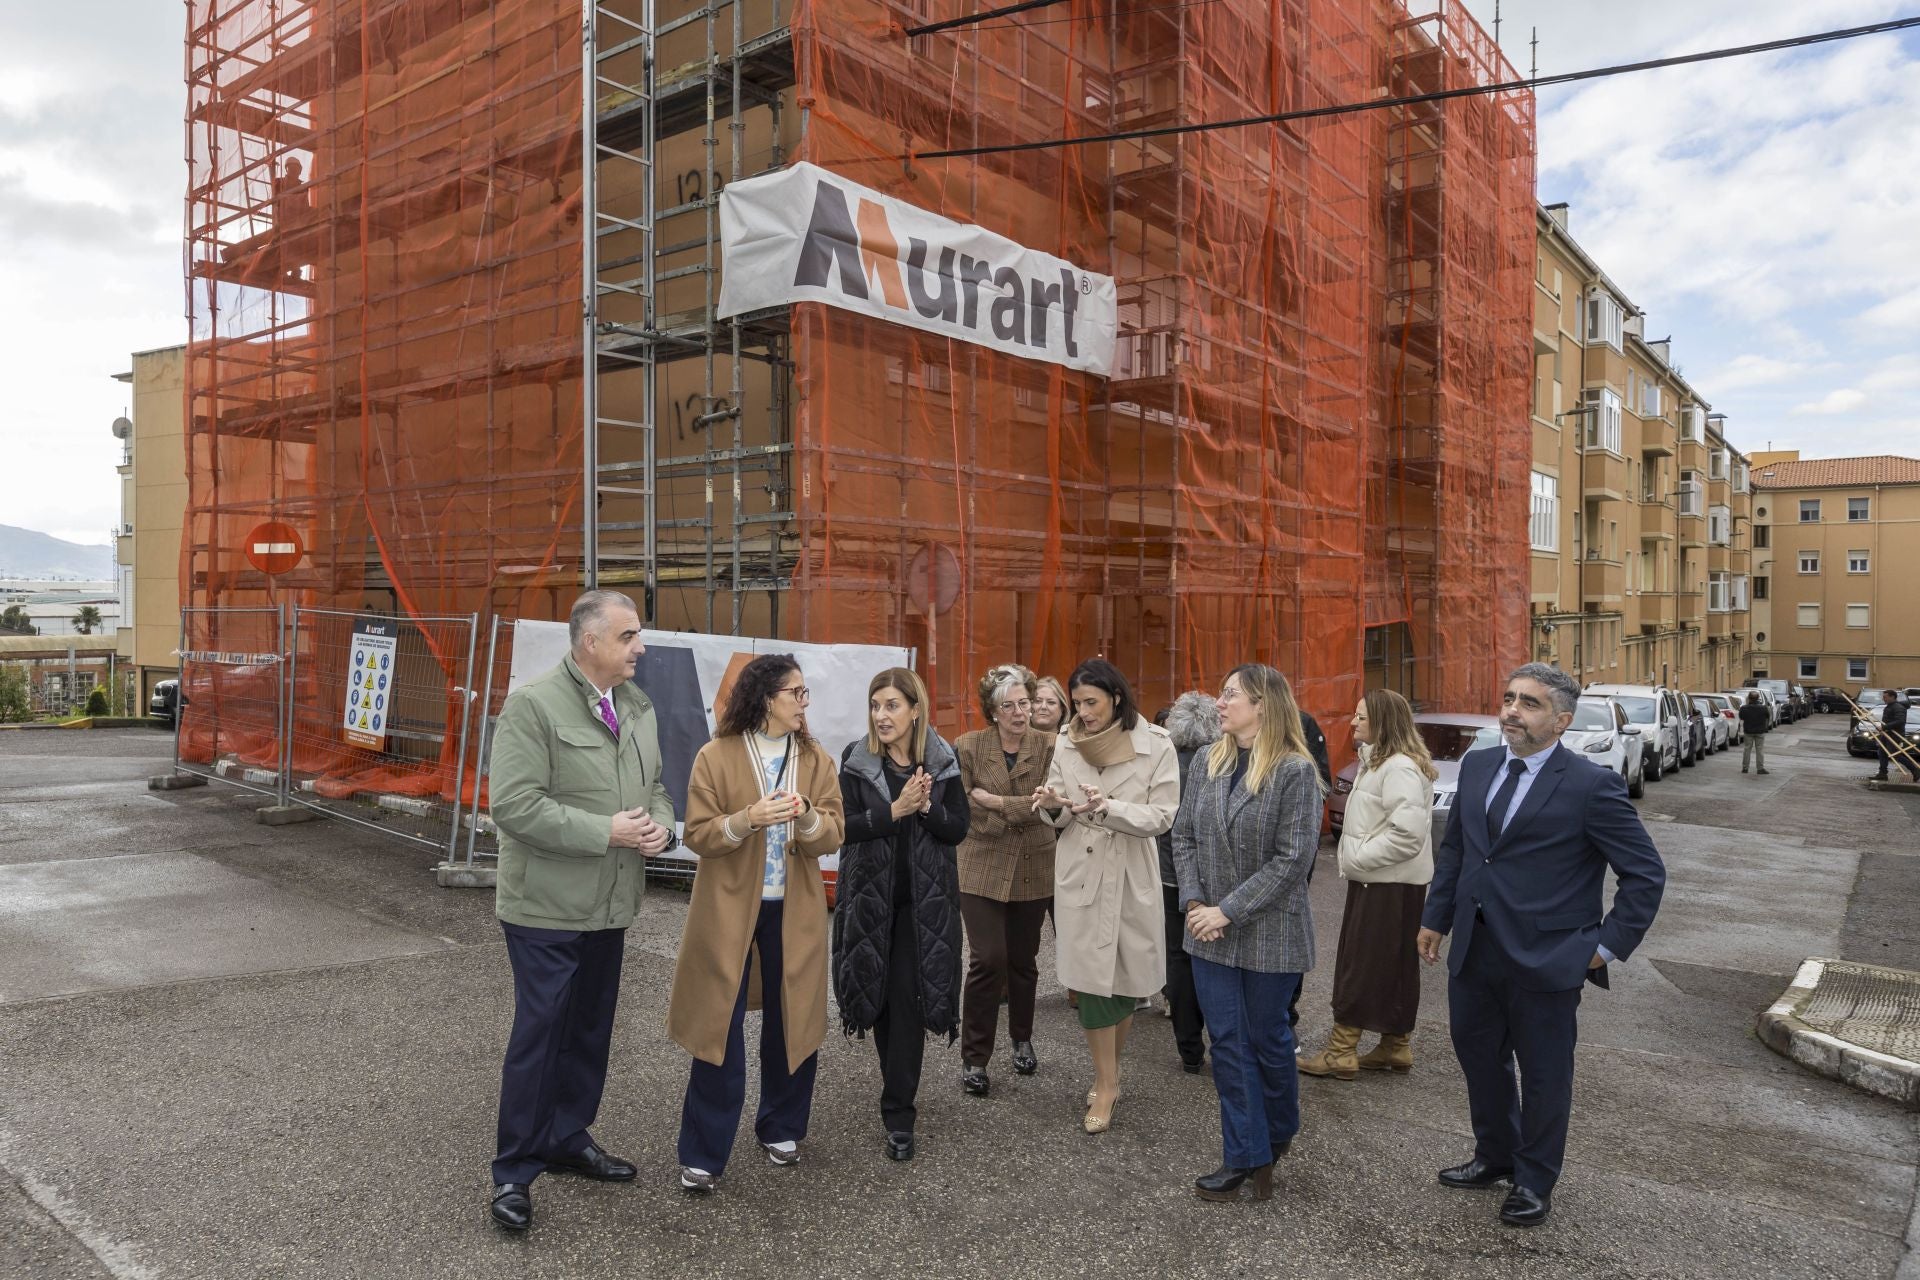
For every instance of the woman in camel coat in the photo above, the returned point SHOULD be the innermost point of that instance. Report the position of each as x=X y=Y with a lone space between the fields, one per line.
x=763 y=805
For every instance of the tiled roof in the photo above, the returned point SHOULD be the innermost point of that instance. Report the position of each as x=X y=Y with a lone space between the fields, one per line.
x=1838 y=473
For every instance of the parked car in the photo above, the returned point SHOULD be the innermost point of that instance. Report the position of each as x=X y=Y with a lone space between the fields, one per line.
x=1728 y=705
x=1698 y=742
x=1719 y=734
x=1739 y=697
x=1663 y=732
x=165 y=700
x=1602 y=733
x=1827 y=699
x=1782 y=697
x=1449 y=737
x=1860 y=739
x=1802 y=702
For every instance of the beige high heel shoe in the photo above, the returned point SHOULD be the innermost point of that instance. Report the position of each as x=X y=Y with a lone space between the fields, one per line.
x=1099 y=1124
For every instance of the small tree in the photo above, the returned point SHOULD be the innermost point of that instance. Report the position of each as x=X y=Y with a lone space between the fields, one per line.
x=15 y=705
x=97 y=702
x=87 y=619
x=14 y=621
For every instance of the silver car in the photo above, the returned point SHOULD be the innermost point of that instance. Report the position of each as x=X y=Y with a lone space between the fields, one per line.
x=1449 y=737
x=1602 y=734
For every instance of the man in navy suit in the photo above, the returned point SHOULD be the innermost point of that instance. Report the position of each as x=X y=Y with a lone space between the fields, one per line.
x=1518 y=881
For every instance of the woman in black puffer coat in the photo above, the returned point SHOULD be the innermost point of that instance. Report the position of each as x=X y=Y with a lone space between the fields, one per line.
x=896 y=925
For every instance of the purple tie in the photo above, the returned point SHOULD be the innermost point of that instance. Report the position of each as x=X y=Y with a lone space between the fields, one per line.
x=606 y=715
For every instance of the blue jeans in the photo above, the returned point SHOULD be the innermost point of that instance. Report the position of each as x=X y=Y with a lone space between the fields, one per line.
x=1246 y=1015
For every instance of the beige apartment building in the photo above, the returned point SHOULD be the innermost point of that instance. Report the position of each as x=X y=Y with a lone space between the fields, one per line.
x=1836 y=559
x=153 y=498
x=1641 y=521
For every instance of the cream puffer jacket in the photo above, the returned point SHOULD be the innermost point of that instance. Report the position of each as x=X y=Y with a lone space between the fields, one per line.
x=1387 y=836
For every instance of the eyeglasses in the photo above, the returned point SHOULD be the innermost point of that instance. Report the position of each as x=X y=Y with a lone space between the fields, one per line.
x=1229 y=693
x=1021 y=705
x=800 y=692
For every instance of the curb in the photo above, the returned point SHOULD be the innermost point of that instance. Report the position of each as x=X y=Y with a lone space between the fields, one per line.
x=1868 y=1070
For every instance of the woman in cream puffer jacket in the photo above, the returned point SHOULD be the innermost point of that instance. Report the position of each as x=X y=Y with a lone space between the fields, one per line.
x=1386 y=858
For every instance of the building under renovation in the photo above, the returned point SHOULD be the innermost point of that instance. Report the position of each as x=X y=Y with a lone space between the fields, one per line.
x=454 y=274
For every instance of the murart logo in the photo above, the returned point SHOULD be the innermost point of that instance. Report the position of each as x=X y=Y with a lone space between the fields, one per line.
x=861 y=251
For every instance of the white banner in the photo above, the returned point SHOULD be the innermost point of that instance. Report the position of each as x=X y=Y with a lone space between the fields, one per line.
x=683 y=672
x=804 y=234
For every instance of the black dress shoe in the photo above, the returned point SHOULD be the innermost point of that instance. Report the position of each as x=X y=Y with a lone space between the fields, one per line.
x=899 y=1146
x=1024 y=1060
x=1474 y=1173
x=512 y=1205
x=1224 y=1183
x=593 y=1163
x=1192 y=1068
x=1281 y=1148
x=974 y=1081
x=1522 y=1208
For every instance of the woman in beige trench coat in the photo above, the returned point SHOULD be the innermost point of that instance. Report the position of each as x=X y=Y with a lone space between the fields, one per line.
x=1113 y=787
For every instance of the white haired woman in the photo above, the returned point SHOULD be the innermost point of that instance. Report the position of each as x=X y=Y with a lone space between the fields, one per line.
x=1193 y=722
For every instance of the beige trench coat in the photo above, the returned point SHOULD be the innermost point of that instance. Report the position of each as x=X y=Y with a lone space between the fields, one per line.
x=718 y=936
x=1108 y=915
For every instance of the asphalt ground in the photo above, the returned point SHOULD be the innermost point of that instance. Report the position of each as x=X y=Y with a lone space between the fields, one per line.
x=230 y=1050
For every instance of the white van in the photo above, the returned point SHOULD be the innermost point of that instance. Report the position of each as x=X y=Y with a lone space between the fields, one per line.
x=1665 y=729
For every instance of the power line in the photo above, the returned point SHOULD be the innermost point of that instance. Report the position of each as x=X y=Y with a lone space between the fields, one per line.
x=1438 y=95
x=927 y=29
x=1173 y=7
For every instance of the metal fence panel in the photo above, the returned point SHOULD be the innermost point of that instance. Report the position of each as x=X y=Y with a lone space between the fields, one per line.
x=409 y=779
x=230 y=721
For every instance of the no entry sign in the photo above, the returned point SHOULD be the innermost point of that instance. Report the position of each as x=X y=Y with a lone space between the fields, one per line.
x=274 y=547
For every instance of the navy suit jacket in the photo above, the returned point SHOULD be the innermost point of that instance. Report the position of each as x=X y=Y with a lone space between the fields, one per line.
x=1539 y=889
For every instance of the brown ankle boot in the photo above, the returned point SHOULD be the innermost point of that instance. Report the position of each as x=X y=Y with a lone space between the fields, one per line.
x=1393 y=1053
x=1337 y=1059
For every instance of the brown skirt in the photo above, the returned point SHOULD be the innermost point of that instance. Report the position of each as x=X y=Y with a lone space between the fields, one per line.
x=1376 y=980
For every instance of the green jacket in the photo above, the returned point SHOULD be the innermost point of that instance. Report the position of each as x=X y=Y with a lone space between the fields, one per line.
x=556 y=779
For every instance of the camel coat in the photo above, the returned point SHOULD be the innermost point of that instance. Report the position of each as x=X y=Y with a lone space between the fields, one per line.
x=1109 y=919
x=717 y=938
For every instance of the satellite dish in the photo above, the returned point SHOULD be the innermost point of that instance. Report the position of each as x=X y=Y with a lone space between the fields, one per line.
x=122 y=429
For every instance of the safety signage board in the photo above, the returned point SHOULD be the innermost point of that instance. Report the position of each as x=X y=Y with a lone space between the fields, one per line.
x=370 y=681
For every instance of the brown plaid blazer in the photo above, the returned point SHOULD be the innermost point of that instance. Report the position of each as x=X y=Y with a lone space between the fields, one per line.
x=1008 y=853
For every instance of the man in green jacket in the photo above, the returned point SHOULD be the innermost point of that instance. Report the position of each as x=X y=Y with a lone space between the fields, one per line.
x=578 y=801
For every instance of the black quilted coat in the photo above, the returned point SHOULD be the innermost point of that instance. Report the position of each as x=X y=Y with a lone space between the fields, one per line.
x=863 y=916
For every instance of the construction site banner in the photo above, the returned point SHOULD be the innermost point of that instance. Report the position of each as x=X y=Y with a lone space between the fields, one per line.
x=804 y=234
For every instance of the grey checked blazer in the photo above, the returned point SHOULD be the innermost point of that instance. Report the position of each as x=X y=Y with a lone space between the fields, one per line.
x=1249 y=856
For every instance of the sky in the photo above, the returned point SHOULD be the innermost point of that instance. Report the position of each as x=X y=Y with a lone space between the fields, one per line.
x=1764 y=211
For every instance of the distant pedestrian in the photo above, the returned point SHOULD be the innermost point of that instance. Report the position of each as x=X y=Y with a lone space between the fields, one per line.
x=1756 y=718
x=896 y=921
x=1112 y=789
x=763 y=806
x=1386 y=858
x=1006 y=873
x=1193 y=723
x=577 y=797
x=1519 y=881
x=1891 y=742
x=1049 y=705
x=1249 y=825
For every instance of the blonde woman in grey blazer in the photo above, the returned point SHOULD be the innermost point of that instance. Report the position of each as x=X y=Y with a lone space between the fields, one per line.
x=1247 y=831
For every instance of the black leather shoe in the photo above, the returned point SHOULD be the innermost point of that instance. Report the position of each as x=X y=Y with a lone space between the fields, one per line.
x=1193 y=1068
x=593 y=1163
x=974 y=1081
x=1024 y=1060
x=899 y=1146
x=1281 y=1148
x=512 y=1205
x=1224 y=1183
x=1474 y=1174
x=1523 y=1208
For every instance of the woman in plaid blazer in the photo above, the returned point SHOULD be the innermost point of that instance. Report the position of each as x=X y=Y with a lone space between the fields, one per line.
x=1247 y=831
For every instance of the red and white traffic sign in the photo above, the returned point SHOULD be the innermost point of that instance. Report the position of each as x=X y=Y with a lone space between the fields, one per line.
x=274 y=547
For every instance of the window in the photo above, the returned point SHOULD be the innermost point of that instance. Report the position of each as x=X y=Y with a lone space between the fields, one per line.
x=1856 y=668
x=1760 y=587
x=1809 y=562
x=1649 y=553
x=1690 y=493
x=1858 y=562
x=1718 y=591
x=1740 y=477
x=1858 y=509
x=1858 y=615
x=1719 y=525
x=1692 y=422
x=1809 y=668
x=1543 y=528
x=1762 y=536
x=1717 y=465
x=1606 y=321
x=1603 y=420
x=1649 y=399
x=1739 y=601
x=1809 y=511
x=1808 y=615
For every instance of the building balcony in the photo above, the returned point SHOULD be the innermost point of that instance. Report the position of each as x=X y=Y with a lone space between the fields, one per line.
x=1693 y=531
x=1693 y=608
x=1656 y=609
x=1720 y=557
x=1546 y=321
x=1546 y=577
x=1657 y=520
x=1602 y=582
x=1604 y=475
x=1719 y=625
x=1693 y=456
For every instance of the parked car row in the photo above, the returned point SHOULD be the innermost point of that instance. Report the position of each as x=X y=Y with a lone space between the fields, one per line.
x=1873 y=702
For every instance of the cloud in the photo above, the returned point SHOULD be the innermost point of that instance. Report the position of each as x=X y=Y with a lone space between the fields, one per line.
x=1895 y=373
x=1844 y=400
x=1750 y=370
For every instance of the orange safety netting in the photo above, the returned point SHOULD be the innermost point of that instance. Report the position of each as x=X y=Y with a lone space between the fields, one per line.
x=383 y=265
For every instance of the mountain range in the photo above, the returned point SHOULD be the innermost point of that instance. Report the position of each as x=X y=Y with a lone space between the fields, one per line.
x=28 y=553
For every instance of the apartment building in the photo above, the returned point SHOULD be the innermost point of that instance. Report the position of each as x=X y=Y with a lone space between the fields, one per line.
x=1836 y=543
x=153 y=498
x=1640 y=522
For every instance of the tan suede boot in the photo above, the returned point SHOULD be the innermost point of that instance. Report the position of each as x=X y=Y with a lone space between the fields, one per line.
x=1393 y=1053
x=1338 y=1058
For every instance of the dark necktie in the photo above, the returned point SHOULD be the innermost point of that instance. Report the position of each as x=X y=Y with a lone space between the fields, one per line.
x=1497 y=811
